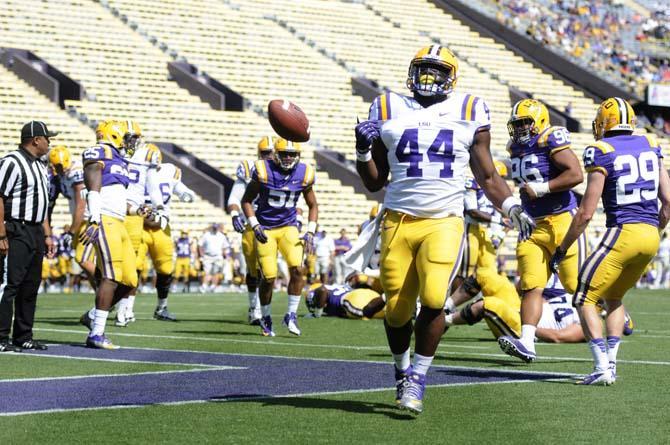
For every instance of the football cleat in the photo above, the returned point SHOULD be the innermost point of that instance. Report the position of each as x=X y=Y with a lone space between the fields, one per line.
x=121 y=321
x=100 y=342
x=254 y=316
x=412 y=394
x=291 y=322
x=628 y=324
x=164 y=315
x=266 y=326
x=514 y=347
x=401 y=382
x=86 y=321
x=597 y=377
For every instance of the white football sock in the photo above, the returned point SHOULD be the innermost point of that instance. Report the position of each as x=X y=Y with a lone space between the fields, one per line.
x=421 y=363
x=293 y=303
x=91 y=313
x=130 y=304
x=599 y=352
x=613 y=343
x=121 y=307
x=528 y=336
x=449 y=305
x=99 y=322
x=253 y=298
x=162 y=303
x=266 y=310
x=449 y=319
x=402 y=361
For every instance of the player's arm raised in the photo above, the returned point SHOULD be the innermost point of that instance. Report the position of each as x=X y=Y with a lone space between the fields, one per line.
x=250 y=194
x=495 y=187
x=371 y=162
x=663 y=195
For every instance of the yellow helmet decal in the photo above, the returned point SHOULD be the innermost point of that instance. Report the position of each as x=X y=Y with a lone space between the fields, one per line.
x=614 y=114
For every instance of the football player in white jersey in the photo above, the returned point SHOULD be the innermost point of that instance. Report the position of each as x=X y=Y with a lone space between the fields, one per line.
x=243 y=178
x=67 y=179
x=145 y=157
x=162 y=183
x=423 y=145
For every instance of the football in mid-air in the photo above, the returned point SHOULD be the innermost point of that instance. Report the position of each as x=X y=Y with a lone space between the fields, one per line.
x=288 y=120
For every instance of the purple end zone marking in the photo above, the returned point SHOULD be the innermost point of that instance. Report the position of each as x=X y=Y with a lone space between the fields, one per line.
x=263 y=377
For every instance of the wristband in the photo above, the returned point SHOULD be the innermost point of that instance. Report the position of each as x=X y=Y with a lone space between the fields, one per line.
x=363 y=157
x=94 y=204
x=508 y=203
x=234 y=213
x=253 y=221
x=3 y=237
x=311 y=226
x=540 y=188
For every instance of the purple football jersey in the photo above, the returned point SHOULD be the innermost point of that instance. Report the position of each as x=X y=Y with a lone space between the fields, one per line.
x=532 y=163
x=114 y=166
x=183 y=248
x=279 y=192
x=335 y=295
x=631 y=164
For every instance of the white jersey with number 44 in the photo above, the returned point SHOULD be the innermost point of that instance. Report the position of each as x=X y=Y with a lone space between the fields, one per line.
x=428 y=151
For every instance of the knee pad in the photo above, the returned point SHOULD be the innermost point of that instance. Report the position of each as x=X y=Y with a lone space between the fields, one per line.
x=471 y=286
x=468 y=316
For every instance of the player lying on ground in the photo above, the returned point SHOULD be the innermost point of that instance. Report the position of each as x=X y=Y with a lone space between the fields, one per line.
x=345 y=302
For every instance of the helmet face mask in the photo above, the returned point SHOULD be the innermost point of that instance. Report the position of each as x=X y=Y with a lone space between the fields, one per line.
x=131 y=142
x=529 y=118
x=521 y=130
x=287 y=160
x=430 y=79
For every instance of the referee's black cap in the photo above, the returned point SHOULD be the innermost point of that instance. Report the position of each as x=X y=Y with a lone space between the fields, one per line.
x=34 y=129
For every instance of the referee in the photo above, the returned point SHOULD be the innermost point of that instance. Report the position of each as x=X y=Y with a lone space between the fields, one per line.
x=24 y=235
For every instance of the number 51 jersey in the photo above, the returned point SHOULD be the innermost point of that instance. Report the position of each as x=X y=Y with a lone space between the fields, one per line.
x=428 y=151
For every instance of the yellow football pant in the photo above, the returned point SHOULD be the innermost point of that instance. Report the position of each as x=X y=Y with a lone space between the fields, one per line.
x=285 y=240
x=355 y=301
x=534 y=254
x=249 y=251
x=419 y=257
x=501 y=306
x=114 y=251
x=617 y=264
x=478 y=252
x=182 y=267
x=135 y=227
x=160 y=246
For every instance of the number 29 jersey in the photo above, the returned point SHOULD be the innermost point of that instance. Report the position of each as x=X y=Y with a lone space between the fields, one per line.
x=631 y=166
x=428 y=151
x=279 y=192
x=532 y=163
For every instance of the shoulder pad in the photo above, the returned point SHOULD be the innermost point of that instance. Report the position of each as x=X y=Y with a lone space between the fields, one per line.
x=381 y=107
x=308 y=179
x=97 y=153
x=603 y=146
x=260 y=172
x=653 y=141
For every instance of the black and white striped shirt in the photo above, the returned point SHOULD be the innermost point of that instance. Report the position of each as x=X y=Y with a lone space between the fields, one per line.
x=24 y=187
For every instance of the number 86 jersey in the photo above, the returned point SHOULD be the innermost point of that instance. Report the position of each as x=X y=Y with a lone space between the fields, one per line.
x=631 y=166
x=428 y=151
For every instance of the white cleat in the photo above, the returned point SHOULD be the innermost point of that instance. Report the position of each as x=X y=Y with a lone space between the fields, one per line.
x=291 y=322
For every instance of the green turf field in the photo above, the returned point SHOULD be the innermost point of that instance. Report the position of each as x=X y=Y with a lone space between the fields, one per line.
x=635 y=410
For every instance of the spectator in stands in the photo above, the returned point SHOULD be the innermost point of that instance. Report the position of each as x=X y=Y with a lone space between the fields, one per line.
x=568 y=109
x=342 y=246
x=325 y=253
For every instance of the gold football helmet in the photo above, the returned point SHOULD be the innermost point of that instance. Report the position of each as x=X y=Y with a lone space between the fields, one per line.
x=266 y=147
x=529 y=118
x=112 y=133
x=133 y=136
x=154 y=155
x=433 y=71
x=98 y=129
x=501 y=168
x=286 y=154
x=60 y=158
x=614 y=114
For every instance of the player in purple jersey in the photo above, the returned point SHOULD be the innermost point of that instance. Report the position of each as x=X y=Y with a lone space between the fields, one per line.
x=278 y=183
x=546 y=170
x=343 y=301
x=106 y=178
x=627 y=172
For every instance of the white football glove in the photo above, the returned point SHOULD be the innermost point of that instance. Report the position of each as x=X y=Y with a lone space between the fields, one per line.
x=521 y=221
x=187 y=197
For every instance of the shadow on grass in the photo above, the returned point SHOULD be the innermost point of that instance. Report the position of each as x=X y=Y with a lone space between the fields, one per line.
x=218 y=332
x=74 y=321
x=351 y=406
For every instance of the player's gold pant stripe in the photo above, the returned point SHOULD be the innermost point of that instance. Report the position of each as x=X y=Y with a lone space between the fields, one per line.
x=586 y=273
